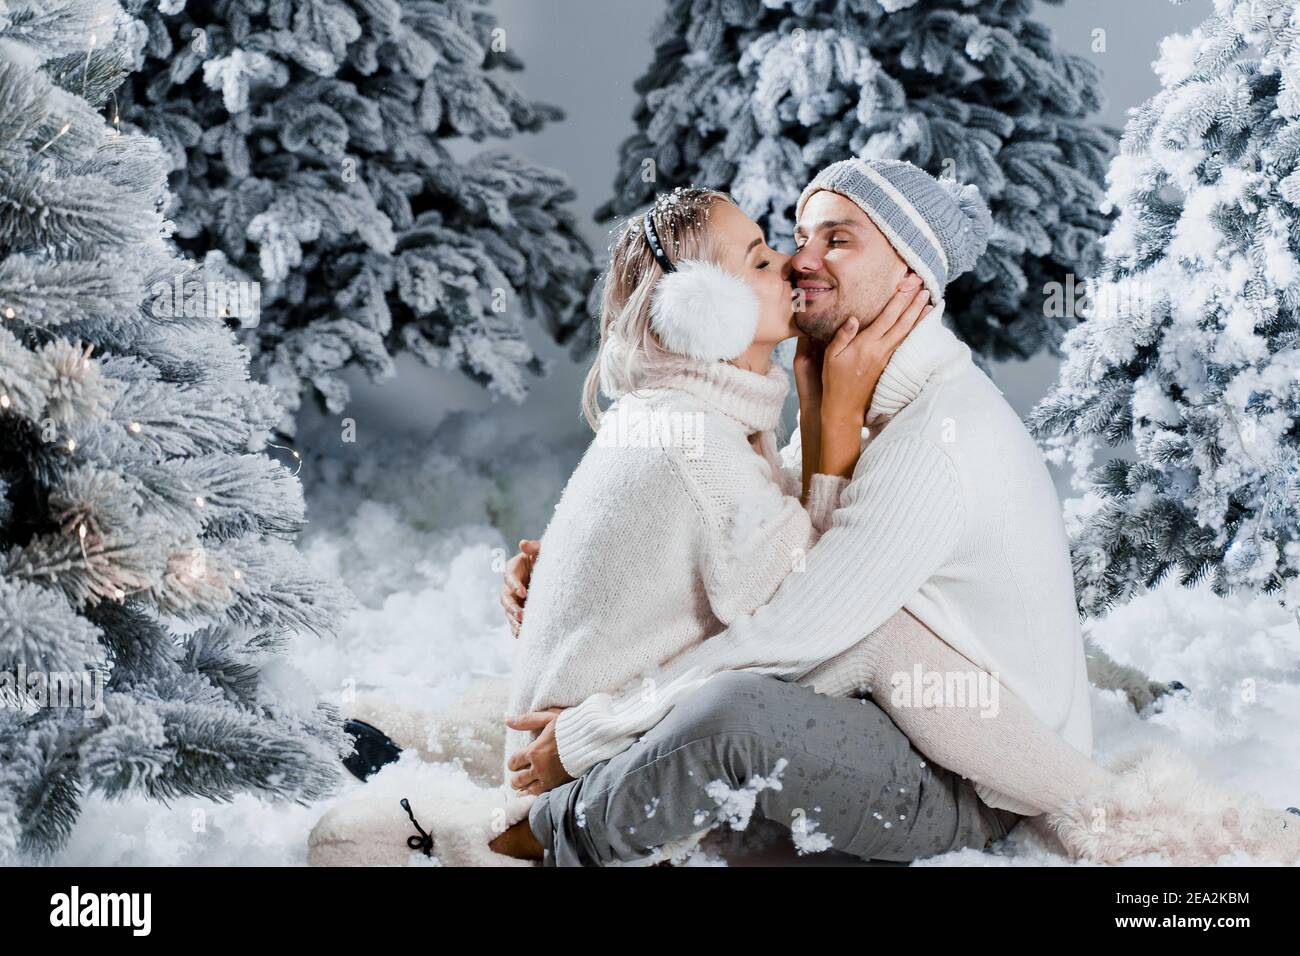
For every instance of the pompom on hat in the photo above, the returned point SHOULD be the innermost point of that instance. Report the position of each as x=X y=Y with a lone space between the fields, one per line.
x=939 y=227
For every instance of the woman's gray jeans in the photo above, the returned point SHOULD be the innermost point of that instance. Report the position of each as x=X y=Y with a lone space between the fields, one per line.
x=835 y=771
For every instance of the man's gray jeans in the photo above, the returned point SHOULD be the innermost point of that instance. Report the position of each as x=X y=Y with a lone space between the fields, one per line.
x=849 y=773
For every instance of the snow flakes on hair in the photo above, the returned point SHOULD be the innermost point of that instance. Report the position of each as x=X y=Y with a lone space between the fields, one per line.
x=668 y=200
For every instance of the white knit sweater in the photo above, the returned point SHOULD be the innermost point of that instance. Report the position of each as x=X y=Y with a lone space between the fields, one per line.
x=677 y=522
x=951 y=514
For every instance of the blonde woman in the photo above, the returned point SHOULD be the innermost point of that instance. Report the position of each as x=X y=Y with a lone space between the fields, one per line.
x=942 y=588
x=680 y=523
x=680 y=517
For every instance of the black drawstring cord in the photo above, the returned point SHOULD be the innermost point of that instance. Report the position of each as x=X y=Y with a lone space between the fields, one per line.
x=422 y=842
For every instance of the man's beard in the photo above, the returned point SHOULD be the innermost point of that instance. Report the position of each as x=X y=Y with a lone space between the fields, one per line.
x=820 y=327
x=822 y=324
x=857 y=300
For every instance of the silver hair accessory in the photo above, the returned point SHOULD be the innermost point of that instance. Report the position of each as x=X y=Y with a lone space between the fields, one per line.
x=652 y=237
x=667 y=202
x=664 y=201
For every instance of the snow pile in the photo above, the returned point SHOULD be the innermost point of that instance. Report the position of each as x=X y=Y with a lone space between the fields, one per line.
x=735 y=806
x=1240 y=659
x=806 y=838
x=410 y=530
x=421 y=536
x=426 y=570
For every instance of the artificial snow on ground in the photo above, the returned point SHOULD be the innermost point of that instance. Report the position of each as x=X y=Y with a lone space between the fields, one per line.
x=419 y=535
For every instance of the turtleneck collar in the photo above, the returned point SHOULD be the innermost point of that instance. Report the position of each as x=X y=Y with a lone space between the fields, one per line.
x=927 y=347
x=751 y=398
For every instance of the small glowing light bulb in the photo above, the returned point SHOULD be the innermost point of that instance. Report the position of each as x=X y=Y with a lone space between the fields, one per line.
x=4 y=401
x=198 y=500
x=134 y=428
x=81 y=531
x=9 y=312
x=72 y=444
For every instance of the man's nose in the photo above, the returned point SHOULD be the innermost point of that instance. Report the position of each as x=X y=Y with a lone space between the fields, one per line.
x=806 y=260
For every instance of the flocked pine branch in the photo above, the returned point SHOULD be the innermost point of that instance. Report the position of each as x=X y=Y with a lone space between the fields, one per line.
x=312 y=150
x=144 y=529
x=1189 y=359
x=755 y=96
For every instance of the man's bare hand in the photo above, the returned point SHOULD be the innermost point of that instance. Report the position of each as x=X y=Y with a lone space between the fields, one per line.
x=537 y=767
x=514 y=586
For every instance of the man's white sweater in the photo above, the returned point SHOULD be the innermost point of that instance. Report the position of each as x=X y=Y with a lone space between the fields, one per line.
x=951 y=514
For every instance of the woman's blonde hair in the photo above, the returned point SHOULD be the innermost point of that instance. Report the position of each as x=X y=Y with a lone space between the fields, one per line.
x=630 y=356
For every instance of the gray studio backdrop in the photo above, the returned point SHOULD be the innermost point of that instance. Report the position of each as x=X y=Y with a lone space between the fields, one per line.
x=584 y=56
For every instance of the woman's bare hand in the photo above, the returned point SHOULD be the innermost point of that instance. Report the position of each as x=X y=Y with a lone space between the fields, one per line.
x=856 y=357
x=808 y=373
x=808 y=381
x=855 y=360
x=514 y=586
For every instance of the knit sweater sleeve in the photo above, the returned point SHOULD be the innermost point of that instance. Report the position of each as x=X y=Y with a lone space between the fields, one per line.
x=896 y=525
x=823 y=490
x=752 y=532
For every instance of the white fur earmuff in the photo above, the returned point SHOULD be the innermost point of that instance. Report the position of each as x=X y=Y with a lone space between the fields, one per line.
x=703 y=311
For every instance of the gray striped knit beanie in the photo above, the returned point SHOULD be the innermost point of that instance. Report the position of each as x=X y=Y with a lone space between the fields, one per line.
x=938 y=226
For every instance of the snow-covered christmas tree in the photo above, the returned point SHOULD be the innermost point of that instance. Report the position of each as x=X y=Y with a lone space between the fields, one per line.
x=310 y=151
x=1189 y=358
x=755 y=96
x=147 y=582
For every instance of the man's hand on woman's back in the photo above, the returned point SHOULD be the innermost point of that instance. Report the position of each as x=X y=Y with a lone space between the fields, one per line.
x=514 y=585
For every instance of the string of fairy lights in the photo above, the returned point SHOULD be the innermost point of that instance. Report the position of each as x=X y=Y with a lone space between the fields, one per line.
x=8 y=313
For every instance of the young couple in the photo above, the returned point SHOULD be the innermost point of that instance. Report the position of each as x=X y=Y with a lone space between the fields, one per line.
x=706 y=615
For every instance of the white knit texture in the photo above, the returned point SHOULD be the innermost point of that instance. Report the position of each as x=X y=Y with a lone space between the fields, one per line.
x=952 y=515
x=677 y=521
x=983 y=732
